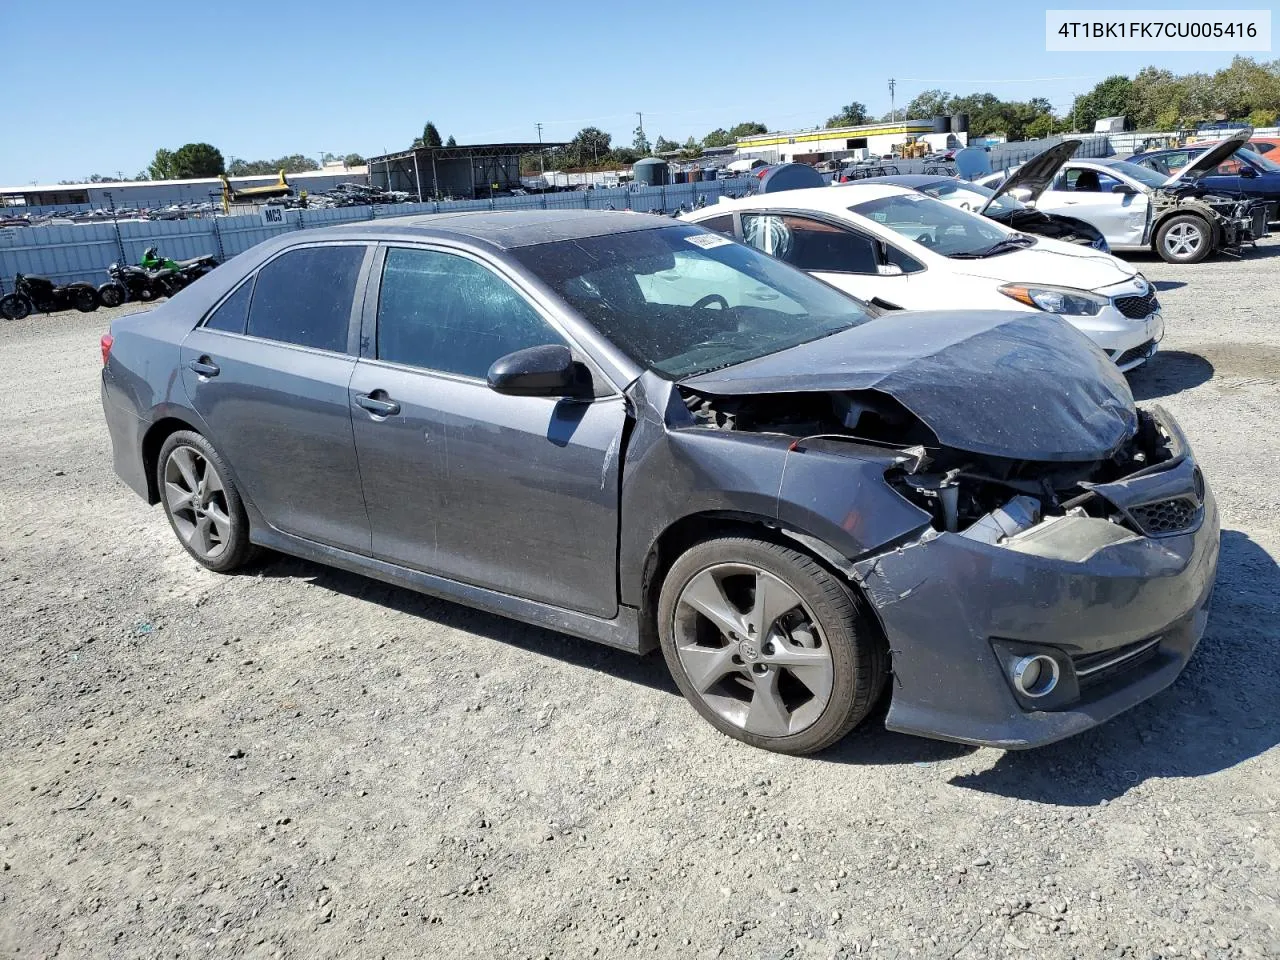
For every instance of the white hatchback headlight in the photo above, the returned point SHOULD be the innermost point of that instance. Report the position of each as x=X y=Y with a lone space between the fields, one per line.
x=1066 y=301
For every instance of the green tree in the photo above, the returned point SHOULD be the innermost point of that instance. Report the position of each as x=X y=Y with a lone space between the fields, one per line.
x=926 y=104
x=162 y=167
x=589 y=145
x=691 y=150
x=1042 y=126
x=719 y=137
x=430 y=137
x=851 y=115
x=355 y=160
x=663 y=145
x=1262 y=117
x=640 y=143
x=748 y=129
x=451 y=142
x=1113 y=97
x=192 y=161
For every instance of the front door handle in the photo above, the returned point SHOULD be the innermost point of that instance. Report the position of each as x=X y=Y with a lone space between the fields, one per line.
x=381 y=406
x=205 y=367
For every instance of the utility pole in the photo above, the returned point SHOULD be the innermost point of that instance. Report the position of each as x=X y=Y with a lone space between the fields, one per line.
x=893 y=110
x=641 y=118
x=542 y=167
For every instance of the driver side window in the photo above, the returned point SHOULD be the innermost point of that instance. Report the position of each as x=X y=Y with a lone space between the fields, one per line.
x=812 y=245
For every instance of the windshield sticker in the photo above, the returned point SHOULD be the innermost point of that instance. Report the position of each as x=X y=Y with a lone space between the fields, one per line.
x=708 y=240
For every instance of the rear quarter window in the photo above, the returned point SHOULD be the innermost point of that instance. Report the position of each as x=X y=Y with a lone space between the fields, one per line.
x=233 y=313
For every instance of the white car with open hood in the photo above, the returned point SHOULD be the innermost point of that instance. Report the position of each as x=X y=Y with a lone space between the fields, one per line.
x=900 y=249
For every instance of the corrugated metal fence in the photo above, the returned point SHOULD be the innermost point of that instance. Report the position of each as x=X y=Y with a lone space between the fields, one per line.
x=83 y=251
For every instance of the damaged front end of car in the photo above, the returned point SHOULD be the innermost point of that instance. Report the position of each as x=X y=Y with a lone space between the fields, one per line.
x=1235 y=221
x=1045 y=563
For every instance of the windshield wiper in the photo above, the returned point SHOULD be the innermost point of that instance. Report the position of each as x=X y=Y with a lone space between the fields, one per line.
x=1019 y=241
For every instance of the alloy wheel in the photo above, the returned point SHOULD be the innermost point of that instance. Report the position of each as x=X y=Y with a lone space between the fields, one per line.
x=1183 y=240
x=197 y=501
x=752 y=650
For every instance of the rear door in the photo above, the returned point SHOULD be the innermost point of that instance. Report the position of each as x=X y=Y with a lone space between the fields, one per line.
x=268 y=371
x=515 y=494
x=1088 y=194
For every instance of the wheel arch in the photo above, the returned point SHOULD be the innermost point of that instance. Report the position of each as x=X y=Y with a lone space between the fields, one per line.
x=692 y=528
x=152 y=441
x=1162 y=218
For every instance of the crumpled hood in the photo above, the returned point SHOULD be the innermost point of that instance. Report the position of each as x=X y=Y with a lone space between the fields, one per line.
x=1049 y=263
x=1018 y=385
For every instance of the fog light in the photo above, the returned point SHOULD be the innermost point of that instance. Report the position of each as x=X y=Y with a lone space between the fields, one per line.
x=1035 y=676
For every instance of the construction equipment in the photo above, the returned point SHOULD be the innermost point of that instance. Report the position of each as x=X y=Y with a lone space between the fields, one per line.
x=232 y=194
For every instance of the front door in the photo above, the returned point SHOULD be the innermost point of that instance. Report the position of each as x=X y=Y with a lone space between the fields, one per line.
x=843 y=257
x=1089 y=195
x=268 y=372
x=516 y=494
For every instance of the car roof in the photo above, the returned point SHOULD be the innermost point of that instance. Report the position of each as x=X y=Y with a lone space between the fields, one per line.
x=503 y=229
x=914 y=180
x=831 y=199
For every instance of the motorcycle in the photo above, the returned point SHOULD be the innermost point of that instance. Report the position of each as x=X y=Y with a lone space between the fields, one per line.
x=154 y=277
x=41 y=293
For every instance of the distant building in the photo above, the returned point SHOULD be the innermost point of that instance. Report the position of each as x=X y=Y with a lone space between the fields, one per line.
x=157 y=194
x=837 y=143
x=474 y=171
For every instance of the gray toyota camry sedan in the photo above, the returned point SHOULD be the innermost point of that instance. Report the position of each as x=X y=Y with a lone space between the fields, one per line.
x=644 y=434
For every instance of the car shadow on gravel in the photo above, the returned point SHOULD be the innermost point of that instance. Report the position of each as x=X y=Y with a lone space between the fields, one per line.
x=650 y=671
x=1219 y=713
x=1169 y=372
x=1164 y=285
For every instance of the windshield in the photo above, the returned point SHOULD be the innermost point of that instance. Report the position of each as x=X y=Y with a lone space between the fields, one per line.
x=970 y=196
x=935 y=225
x=1144 y=176
x=680 y=301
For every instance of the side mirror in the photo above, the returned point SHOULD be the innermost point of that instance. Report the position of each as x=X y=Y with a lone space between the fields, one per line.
x=1124 y=188
x=1248 y=172
x=546 y=371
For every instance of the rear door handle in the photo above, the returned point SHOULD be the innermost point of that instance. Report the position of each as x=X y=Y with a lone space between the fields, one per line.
x=376 y=405
x=205 y=367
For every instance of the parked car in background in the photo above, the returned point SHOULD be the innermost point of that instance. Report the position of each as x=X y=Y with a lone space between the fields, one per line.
x=1245 y=173
x=999 y=204
x=1139 y=209
x=896 y=247
x=641 y=433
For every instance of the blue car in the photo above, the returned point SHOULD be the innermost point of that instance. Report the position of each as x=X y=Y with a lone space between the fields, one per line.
x=1246 y=173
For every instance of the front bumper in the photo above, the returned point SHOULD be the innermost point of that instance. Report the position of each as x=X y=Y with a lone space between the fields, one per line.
x=1128 y=342
x=1088 y=593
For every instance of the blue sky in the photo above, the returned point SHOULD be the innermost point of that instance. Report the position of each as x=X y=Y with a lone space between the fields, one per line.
x=96 y=87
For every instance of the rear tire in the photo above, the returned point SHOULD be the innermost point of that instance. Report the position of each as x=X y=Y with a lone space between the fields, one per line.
x=15 y=306
x=85 y=299
x=1184 y=238
x=202 y=503
x=768 y=645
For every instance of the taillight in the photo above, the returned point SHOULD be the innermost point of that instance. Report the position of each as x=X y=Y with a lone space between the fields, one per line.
x=106 y=342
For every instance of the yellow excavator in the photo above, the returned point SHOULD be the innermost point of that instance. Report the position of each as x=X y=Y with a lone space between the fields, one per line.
x=232 y=194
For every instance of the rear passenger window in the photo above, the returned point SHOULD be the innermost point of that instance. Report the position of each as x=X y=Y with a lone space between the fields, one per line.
x=719 y=224
x=305 y=296
x=445 y=312
x=233 y=311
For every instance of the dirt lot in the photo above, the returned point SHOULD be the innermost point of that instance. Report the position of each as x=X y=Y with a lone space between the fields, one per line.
x=302 y=763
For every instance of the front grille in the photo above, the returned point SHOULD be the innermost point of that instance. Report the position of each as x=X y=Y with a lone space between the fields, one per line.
x=1094 y=668
x=1165 y=516
x=1140 y=352
x=1135 y=308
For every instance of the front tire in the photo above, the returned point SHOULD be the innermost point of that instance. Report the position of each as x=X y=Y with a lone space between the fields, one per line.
x=202 y=503
x=15 y=306
x=112 y=294
x=1184 y=238
x=768 y=645
x=85 y=299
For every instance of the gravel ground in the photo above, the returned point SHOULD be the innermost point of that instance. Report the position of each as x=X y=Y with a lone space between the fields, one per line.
x=302 y=763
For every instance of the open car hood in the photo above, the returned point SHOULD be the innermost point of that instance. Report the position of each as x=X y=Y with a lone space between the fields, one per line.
x=1018 y=385
x=1037 y=173
x=1210 y=159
